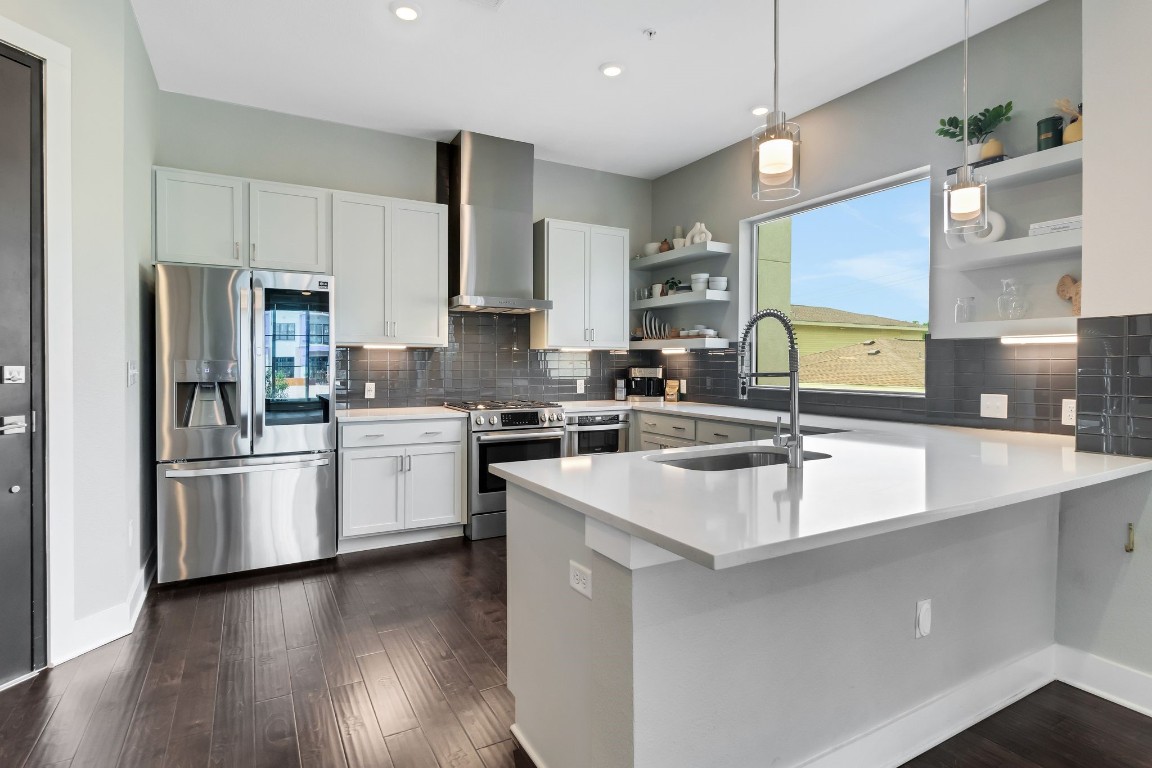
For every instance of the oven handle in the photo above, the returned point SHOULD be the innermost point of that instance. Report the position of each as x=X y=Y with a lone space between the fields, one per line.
x=519 y=436
x=600 y=428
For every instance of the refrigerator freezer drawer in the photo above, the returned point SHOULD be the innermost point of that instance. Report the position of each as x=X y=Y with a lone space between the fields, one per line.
x=216 y=517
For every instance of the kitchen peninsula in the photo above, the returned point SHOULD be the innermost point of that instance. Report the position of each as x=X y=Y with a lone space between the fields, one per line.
x=771 y=616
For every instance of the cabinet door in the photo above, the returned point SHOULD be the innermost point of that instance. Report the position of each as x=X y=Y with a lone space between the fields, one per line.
x=200 y=219
x=435 y=485
x=418 y=273
x=608 y=288
x=289 y=227
x=371 y=491
x=359 y=256
x=567 y=257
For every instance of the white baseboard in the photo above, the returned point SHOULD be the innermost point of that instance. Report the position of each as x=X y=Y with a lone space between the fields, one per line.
x=924 y=726
x=525 y=745
x=383 y=540
x=139 y=589
x=1124 y=685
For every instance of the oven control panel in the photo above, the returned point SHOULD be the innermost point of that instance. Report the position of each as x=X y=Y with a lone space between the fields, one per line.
x=595 y=421
x=521 y=419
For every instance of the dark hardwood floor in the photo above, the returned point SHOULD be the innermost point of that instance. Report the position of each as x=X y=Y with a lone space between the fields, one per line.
x=1058 y=726
x=389 y=659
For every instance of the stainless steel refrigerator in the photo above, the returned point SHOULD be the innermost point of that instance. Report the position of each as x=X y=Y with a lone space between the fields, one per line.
x=245 y=430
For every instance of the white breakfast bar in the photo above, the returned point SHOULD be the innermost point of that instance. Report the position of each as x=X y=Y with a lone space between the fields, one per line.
x=767 y=616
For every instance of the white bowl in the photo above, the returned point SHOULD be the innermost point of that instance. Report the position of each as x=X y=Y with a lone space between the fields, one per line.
x=700 y=327
x=718 y=283
x=651 y=249
x=700 y=276
x=699 y=285
x=709 y=333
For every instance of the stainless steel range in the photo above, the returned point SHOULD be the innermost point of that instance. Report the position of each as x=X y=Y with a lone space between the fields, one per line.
x=504 y=431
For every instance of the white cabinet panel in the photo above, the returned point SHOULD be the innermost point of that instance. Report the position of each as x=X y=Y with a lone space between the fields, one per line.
x=359 y=246
x=371 y=491
x=419 y=273
x=608 y=288
x=567 y=248
x=200 y=219
x=434 y=485
x=652 y=442
x=289 y=227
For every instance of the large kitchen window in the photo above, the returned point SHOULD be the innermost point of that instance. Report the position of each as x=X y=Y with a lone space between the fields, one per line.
x=853 y=276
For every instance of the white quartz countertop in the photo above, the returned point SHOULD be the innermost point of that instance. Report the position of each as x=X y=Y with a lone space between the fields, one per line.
x=881 y=477
x=398 y=414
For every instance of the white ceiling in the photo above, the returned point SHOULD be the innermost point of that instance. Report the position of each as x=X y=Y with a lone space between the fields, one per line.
x=530 y=70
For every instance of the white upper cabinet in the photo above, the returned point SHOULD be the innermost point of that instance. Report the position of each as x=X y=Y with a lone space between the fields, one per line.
x=289 y=227
x=583 y=270
x=391 y=265
x=200 y=219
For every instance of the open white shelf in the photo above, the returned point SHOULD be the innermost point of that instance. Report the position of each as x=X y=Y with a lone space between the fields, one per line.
x=681 y=255
x=682 y=299
x=690 y=342
x=1039 y=166
x=1029 y=326
x=1019 y=250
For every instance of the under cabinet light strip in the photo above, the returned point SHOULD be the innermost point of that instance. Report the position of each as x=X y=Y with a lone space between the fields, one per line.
x=674 y=351
x=1064 y=338
x=384 y=346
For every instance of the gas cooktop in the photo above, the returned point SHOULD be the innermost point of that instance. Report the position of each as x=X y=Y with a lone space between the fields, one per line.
x=498 y=405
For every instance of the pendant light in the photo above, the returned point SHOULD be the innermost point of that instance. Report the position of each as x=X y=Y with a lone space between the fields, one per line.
x=966 y=198
x=776 y=145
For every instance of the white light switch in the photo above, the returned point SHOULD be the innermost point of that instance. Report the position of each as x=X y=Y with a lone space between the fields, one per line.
x=994 y=406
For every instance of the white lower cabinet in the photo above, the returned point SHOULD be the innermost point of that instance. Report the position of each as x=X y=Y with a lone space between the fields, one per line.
x=400 y=476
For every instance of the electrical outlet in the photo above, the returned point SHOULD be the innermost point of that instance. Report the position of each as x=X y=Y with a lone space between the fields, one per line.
x=370 y=390
x=1068 y=412
x=580 y=578
x=708 y=382
x=133 y=373
x=579 y=386
x=923 y=618
x=683 y=386
x=994 y=406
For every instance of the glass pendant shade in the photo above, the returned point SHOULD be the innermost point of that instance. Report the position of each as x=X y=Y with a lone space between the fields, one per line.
x=966 y=204
x=776 y=160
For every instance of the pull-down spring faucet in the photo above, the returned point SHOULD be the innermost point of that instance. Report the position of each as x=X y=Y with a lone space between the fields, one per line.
x=794 y=442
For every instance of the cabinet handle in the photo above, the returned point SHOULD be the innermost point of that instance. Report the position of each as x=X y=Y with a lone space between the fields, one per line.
x=593 y=334
x=253 y=251
x=719 y=434
x=433 y=433
x=679 y=428
x=237 y=244
x=408 y=461
x=650 y=424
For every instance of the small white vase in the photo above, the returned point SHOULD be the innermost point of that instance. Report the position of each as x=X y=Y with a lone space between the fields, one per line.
x=973 y=152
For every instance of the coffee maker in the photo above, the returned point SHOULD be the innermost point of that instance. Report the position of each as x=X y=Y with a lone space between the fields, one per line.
x=646 y=385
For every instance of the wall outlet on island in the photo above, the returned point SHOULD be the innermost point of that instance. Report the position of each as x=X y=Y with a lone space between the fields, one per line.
x=1068 y=412
x=994 y=406
x=580 y=578
x=923 y=618
x=369 y=390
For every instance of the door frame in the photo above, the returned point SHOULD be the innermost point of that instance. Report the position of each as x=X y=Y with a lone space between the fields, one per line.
x=58 y=431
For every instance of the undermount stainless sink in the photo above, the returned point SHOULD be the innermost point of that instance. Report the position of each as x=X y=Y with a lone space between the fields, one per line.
x=726 y=460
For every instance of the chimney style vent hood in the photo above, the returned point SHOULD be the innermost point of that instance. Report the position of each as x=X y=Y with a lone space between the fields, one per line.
x=486 y=183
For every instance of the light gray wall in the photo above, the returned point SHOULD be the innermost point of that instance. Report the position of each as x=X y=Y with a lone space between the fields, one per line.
x=580 y=194
x=1102 y=591
x=887 y=127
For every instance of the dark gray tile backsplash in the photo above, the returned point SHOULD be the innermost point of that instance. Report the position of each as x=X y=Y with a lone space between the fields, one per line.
x=1114 y=379
x=488 y=356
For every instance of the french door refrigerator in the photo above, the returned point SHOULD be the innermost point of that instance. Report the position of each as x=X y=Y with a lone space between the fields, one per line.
x=245 y=429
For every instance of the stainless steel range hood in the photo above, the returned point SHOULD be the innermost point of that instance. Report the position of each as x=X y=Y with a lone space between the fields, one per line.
x=486 y=183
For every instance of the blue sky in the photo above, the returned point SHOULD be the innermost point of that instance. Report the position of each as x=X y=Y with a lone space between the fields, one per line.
x=868 y=255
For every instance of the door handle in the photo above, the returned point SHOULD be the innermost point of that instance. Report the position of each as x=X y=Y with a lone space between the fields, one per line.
x=245 y=470
x=14 y=425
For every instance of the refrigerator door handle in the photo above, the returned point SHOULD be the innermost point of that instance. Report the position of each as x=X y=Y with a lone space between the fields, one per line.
x=246 y=470
x=245 y=306
x=257 y=379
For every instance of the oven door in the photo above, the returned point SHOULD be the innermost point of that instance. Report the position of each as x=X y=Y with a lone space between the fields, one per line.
x=585 y=441
x=487 y=491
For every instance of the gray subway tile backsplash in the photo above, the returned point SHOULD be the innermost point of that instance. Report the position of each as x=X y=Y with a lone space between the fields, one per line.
x=1114 y=382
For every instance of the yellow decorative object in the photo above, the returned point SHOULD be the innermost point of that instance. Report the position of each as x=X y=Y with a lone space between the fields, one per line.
x=1074 y=131
x=991 y=148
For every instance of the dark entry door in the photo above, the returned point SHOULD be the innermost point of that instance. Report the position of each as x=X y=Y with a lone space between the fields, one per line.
x=21 y=332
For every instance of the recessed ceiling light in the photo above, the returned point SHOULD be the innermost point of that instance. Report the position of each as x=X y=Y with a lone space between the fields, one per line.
x=759 y=111
x=405 y=11
x=609 y=69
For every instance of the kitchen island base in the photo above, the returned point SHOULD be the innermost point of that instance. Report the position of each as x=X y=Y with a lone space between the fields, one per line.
x=796 y=660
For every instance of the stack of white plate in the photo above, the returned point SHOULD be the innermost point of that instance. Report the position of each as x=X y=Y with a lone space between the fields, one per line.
x=700 y=281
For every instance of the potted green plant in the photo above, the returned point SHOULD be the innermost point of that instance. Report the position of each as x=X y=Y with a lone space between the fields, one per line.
x=670 y=285
x=980 y=128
